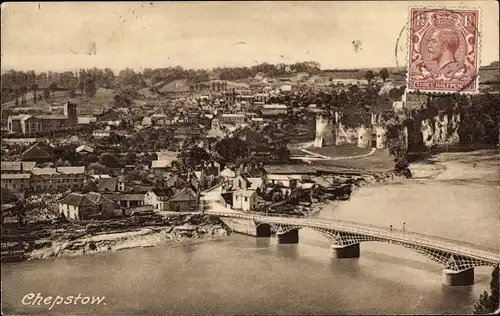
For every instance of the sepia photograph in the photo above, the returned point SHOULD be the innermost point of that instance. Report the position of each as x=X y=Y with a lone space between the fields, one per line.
x=250 y=158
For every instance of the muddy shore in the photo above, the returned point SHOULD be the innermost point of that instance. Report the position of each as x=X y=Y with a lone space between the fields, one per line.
x=58 y=239
x=49 y=240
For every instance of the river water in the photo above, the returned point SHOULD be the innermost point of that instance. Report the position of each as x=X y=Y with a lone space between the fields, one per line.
x=245 y=275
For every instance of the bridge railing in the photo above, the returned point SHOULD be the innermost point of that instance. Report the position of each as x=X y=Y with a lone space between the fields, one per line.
x=442 y=243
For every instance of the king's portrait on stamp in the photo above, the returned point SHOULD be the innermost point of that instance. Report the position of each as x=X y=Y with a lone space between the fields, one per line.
x=443 y=50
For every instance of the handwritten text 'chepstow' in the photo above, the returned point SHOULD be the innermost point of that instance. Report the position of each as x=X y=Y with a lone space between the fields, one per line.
x=39 y=300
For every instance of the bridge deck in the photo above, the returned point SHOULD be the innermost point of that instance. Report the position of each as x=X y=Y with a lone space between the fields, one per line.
x=445 y=244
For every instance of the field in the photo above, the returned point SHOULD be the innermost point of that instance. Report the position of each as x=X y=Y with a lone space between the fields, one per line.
x=103 y=99
x=340 y=151
x=379 y=161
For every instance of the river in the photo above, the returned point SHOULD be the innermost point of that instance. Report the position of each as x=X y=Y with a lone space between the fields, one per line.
x=245 y=275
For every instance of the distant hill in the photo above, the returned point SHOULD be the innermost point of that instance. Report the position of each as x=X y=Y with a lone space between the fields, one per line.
x=487 y=74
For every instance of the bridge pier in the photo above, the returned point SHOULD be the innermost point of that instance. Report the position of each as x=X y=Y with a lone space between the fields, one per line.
x=454 y=278
x=346 y=252
x=263 y=230
x=290 y=237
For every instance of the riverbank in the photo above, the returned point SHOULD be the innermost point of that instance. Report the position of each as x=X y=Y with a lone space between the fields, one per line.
x=451 y=195
x=49 y=240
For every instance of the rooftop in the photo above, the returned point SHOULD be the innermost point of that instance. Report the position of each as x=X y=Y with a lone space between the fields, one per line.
x=15 y=176
x=17 y=165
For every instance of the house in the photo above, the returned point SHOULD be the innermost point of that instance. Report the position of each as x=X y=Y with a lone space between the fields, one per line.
x=127 y=200
x=274 y=109
x=21 y=141
x=84 y=149
x=159 y=120
x=59 y=178
x=30 y=124
x=286 y=180
x=116 y=184
x=175 y=182
x=101 y=133
x=38 y=152
x=186 y=132
x=245 y=200
x=15 y=181
x=185 y=200
x=258 y=121
x=86 y=120
x=76 y=207
x=17 y=166
x=158 y=198
x=228 y=175
x=241 y=182
x=233 y=119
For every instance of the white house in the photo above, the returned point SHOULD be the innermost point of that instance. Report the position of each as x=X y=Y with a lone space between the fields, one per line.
x=158 y=199
x=84 y=149
x=245 y=200
x=100 y=133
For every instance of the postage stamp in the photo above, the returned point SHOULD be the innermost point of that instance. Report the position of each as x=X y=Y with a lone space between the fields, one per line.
x=443 y=50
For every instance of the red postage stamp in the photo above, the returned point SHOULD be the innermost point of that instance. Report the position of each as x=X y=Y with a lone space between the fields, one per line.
x=443 y=50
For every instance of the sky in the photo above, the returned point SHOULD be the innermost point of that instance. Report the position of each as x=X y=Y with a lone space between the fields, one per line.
x=56 y=36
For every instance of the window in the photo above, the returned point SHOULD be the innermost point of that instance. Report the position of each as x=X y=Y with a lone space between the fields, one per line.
x=246 y=199
x=236 y=198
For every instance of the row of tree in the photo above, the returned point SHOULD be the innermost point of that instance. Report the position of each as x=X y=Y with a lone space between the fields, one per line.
x=17 y=83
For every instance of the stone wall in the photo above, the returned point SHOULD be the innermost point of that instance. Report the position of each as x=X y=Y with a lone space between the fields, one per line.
x=381 y=136
x=365 y=137
x=346 y=135
x=325 y=132
x=441 y=130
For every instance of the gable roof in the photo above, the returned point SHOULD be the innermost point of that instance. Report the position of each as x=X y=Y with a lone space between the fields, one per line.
x=184 y=195
x=36 y=151
x=173 y=180
x=75 y=199
x=86 y=148
x=228 y=173
x=162 y=192
x=98 y=198
x=107 y=185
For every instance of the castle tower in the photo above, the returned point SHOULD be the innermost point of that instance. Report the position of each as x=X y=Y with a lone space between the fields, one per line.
x=70 y=113
x=324 y=132
x=381 y=136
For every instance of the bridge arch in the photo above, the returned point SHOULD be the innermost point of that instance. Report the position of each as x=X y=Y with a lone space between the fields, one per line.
x=447 y=258
x=263 y=230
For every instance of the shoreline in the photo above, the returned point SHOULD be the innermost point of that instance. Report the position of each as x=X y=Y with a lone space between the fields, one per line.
x=96 y=237
x=73 y=242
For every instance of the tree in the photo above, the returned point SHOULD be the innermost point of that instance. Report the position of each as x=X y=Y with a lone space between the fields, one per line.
x=23 y=90
x=46 y=94
x=130 y=158
x=90 y=87
x=193 y=157
x=231 y=149
x=34 y=87
x=383 y=74
x=369 y=76
x=53 y=87
x=109 y=160
x=95 y=168
x=488 y=302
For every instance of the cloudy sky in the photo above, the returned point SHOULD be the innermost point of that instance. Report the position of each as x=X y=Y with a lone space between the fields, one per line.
x=56 y=36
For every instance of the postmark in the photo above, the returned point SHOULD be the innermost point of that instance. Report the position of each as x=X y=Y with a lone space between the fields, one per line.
x=443 y=50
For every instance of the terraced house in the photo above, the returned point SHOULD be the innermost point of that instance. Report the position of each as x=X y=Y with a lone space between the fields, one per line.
x=58 y=178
